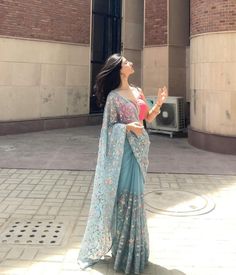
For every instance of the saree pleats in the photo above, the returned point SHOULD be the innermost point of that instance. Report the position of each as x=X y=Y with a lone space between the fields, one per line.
x=130 y=246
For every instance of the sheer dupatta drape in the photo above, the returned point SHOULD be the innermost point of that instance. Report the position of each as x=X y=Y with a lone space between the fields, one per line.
x=97 y=238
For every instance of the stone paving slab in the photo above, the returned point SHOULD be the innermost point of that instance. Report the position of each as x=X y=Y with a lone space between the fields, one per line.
x=197 y=243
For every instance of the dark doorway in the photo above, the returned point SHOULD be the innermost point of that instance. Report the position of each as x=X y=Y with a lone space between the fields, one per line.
x=106 y=38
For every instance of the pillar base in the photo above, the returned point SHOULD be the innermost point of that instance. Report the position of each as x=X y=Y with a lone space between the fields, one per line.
x=212 y=142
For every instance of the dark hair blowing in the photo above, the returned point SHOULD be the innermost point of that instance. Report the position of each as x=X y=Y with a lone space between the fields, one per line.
x=108 y=78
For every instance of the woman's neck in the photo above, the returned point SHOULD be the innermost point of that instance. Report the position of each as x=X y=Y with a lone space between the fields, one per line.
x=124 y=85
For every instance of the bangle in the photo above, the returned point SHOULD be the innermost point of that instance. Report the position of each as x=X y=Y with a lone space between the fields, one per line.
x=159 y=107
x=155 y=112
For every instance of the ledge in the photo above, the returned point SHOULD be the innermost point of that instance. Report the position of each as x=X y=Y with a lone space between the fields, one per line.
x=43 y=124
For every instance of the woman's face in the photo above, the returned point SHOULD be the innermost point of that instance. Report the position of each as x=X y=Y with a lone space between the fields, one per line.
x=126 y=67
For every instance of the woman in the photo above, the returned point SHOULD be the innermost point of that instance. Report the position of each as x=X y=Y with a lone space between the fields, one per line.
x=117 y=218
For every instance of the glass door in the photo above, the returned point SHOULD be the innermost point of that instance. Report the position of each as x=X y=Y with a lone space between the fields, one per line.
x=106 y=38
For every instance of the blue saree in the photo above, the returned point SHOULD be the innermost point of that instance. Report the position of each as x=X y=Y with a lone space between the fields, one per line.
x=117 y=217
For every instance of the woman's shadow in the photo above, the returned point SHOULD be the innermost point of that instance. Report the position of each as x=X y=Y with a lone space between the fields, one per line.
x=105 y=266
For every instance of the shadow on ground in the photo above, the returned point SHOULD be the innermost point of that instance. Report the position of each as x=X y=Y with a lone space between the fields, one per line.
x=151 y=268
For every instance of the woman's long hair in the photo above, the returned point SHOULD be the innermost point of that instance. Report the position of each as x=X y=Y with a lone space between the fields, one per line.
x=108 y=78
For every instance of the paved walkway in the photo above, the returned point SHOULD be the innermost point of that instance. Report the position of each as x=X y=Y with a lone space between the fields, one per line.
x=43 y=213
x=76 y=149
x=190 y=200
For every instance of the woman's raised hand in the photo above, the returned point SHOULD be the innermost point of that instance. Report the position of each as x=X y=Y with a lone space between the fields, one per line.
x=162 y=94
x=135 y=127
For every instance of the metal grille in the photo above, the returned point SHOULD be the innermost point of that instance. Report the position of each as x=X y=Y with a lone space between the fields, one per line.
x=181 y=111
x=34 y=232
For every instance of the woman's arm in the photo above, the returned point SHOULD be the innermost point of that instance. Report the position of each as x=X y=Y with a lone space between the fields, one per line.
x=135 y=127
x=155 y=110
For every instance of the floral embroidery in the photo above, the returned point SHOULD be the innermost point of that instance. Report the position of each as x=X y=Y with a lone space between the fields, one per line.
x=108 y=181
x=97 y=239
x=134 y=238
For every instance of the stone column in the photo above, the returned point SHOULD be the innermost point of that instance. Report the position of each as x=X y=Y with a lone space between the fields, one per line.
x=166 y=46
x=155 y=52
x=132 y=32
x=213 y=75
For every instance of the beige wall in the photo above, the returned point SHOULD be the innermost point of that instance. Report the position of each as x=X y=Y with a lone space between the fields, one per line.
x=213 y=83
x=155 y=69
x=177 y=71
x=42 y=79
x=132 y=36
x=187 y=80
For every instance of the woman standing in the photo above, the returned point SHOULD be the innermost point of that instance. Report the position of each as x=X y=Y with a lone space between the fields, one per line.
x=117 y=218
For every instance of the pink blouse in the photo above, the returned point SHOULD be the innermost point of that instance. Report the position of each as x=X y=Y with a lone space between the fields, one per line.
x=143 y=107
x=129 y=111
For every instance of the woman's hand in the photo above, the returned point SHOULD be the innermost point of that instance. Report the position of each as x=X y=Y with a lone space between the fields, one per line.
x=135 y=127
x=162 y=94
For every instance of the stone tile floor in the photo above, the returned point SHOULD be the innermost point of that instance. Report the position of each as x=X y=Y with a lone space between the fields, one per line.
x=191 y=220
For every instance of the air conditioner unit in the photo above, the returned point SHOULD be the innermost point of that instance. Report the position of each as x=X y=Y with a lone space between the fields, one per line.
x=172 y=116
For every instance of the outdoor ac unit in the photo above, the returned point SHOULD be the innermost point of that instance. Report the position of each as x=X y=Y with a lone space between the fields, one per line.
x=172 y=116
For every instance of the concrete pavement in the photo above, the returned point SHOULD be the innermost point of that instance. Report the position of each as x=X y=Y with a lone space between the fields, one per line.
x=43 y=212
x=76 y=149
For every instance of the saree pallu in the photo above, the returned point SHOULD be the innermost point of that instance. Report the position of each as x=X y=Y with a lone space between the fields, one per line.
x=118 y=187
x=130 y=245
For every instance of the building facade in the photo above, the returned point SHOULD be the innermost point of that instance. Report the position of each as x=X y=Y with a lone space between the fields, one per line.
x=50 y=53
